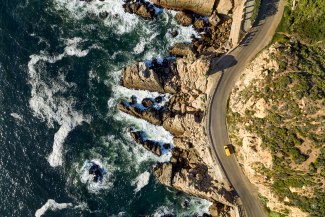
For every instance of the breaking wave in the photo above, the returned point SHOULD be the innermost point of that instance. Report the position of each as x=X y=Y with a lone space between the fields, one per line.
x=47 y=101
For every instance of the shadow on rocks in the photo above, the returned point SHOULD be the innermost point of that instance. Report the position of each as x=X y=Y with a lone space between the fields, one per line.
x=221 y=64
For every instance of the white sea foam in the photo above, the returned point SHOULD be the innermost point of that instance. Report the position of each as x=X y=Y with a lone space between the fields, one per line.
x=140 y=181
x=123 y=92
x=16 y=116
x=131 y=153
x=86 y=178
x=139 y=48
x=163 y=211
x=117 y=19
x=184 y=32
x=46 y=102
x=198 y=206
x=51 y=205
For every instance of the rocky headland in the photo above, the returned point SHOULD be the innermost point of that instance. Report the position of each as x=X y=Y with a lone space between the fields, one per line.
x=192 y=168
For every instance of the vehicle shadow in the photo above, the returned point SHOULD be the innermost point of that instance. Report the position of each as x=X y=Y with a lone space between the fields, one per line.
x=220 y=65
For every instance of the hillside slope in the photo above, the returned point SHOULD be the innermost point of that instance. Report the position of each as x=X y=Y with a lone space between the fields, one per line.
x=276 y=121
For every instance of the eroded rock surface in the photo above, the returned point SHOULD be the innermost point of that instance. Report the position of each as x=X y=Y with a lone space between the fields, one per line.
x=192 y=168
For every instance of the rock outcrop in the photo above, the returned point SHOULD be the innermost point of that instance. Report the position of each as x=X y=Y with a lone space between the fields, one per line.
x=159 y=77
x=184 y=18
x=224 y=7
x=148 y=144
x=144 y=9
x=182 y=50
x=188 y=173
x=192 y=168
x=201 y=7
x=184 y=117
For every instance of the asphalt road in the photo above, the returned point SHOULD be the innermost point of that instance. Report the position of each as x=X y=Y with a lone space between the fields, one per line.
x=231 y=66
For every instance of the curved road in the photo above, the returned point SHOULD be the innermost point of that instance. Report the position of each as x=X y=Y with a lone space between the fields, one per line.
x=231 y=66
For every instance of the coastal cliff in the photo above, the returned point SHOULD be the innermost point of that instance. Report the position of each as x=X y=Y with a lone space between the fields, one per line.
x=192 y=168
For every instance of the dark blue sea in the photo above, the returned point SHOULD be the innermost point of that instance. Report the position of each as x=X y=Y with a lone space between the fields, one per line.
x=60 y=67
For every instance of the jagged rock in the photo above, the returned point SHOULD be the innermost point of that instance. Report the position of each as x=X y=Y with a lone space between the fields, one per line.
x=214 y=20
x=191 y=168
x=215 y=38
x=164 y=173
x=139 y=7
x=173 y=33
x=158 y=99
x=148 y=144
x=144 y=12
x=224 y=7
x=185 y=204
x=166 y=145
x=152 y=146
x=187 y=172
x=184 y=19
x=181 y=50
x=147 y=102
x=201 y=7
x=215 y=209
x=103 y=14
x=151 y=115
x=138 y=76
x=159 y=78
x=133 y=100
x=96 y=171
x=192 y=74
x=199 y=24
x=174 y=125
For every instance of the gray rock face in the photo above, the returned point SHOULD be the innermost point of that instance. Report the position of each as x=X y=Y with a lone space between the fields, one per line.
x=201 y=7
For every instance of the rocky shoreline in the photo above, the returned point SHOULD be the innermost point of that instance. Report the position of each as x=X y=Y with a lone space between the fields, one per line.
x=192 y=168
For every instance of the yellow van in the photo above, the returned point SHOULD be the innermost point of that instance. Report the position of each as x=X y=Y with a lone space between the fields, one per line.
x=227 y=150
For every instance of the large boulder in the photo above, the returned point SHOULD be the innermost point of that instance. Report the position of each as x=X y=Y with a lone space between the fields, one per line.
x=224 y=7
x=199 y=24
x=144 y=12
x=181 y=50
x=164 y=173
x=184 y=19
x=201 y=7
x=137 y=76
x=156 y=78
x=214 y=19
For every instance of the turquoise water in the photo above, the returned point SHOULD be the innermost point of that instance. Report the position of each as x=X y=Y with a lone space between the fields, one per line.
x=60 y=67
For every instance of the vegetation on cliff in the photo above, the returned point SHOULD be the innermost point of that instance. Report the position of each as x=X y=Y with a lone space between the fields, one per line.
x=292 y=128
x=304 y=19
x=277 y=114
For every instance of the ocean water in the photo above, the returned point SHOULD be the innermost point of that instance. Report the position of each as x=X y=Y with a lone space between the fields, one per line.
x=60 y=66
